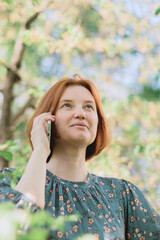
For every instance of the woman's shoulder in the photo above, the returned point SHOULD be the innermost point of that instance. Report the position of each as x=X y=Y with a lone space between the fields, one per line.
x=112 y=181
x=124 y=189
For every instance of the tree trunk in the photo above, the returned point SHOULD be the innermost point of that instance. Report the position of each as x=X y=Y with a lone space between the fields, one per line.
x=7 y=119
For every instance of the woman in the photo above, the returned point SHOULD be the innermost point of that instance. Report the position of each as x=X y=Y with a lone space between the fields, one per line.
x=111 y=208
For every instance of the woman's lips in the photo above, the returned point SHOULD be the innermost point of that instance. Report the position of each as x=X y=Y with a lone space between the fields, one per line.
x=79 y=125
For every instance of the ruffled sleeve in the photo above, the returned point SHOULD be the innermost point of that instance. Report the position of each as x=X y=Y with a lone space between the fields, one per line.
x=7 y=193
x=141 y=220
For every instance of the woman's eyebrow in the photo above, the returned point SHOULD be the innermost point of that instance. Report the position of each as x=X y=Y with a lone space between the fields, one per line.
x=66 y=100
x=70 y=100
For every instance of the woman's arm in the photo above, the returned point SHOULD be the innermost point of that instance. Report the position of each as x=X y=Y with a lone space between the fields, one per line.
x=32 y=182
x=141 y=220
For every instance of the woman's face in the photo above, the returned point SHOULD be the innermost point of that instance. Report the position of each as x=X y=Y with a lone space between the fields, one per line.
x=76 y=117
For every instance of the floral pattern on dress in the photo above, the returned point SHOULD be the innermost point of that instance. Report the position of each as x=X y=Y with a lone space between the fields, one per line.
x=111 y=208
x=9 y=194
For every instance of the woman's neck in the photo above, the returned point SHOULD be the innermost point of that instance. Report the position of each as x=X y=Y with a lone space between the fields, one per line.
x=68 y=164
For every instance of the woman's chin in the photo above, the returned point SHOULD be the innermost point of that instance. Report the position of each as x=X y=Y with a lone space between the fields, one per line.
x=84 y=142
x=75 y=139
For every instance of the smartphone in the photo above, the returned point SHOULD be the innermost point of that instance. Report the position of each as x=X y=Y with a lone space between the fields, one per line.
x=49 y=131
x=49 y=139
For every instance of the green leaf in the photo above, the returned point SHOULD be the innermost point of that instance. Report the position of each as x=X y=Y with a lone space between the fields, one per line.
x=87 y=236
x=8 y=143
x=11 y=143
x=8 y=1
x=157 y=11
x=36 y=233
x=1 y=175
x=19 y=171
x=6 y=207
x=73 y=217
x=35 y=1
x=13 y=183
x=3 y=146
x=41 y=217
x=6 y=155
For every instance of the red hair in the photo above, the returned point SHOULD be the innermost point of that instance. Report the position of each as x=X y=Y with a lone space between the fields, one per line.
x=49 y=103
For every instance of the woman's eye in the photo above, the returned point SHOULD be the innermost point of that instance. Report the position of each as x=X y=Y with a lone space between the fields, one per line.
x=88 y=107
x=67 y=105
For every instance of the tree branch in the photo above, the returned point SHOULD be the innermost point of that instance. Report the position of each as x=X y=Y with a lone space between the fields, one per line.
x=15 y=72
x=29 y=103
x=31 y=19
x=11 y=78
x=19 y=46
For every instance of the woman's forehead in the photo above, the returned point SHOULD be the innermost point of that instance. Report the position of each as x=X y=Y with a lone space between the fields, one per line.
x=77 y=92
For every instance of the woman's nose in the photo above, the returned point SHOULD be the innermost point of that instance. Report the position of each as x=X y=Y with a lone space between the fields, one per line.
x=80 y=114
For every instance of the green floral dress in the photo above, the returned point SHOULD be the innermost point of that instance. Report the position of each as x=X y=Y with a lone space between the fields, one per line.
x=111 y=209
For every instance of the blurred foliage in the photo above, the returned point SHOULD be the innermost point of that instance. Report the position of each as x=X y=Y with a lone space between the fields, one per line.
x=150 y=94
x=7 y=154
x=157 y=11
x=22 y=224
x=98 y=33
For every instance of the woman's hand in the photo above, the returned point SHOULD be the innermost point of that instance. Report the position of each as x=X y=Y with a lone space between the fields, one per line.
x=39 y=132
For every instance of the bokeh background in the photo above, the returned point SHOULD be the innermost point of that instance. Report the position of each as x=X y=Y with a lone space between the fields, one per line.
x=114 y=43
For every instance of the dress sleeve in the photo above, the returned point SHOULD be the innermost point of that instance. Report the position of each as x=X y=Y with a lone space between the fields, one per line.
x=8 y=194
x=141 y=220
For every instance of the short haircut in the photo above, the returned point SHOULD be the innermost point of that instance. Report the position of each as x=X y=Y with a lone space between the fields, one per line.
x=49 y=103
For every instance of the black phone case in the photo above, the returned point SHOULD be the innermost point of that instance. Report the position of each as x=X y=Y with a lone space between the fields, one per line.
x=50 y=138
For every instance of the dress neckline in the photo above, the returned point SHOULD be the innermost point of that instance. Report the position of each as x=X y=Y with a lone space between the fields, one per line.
x=82 y=184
